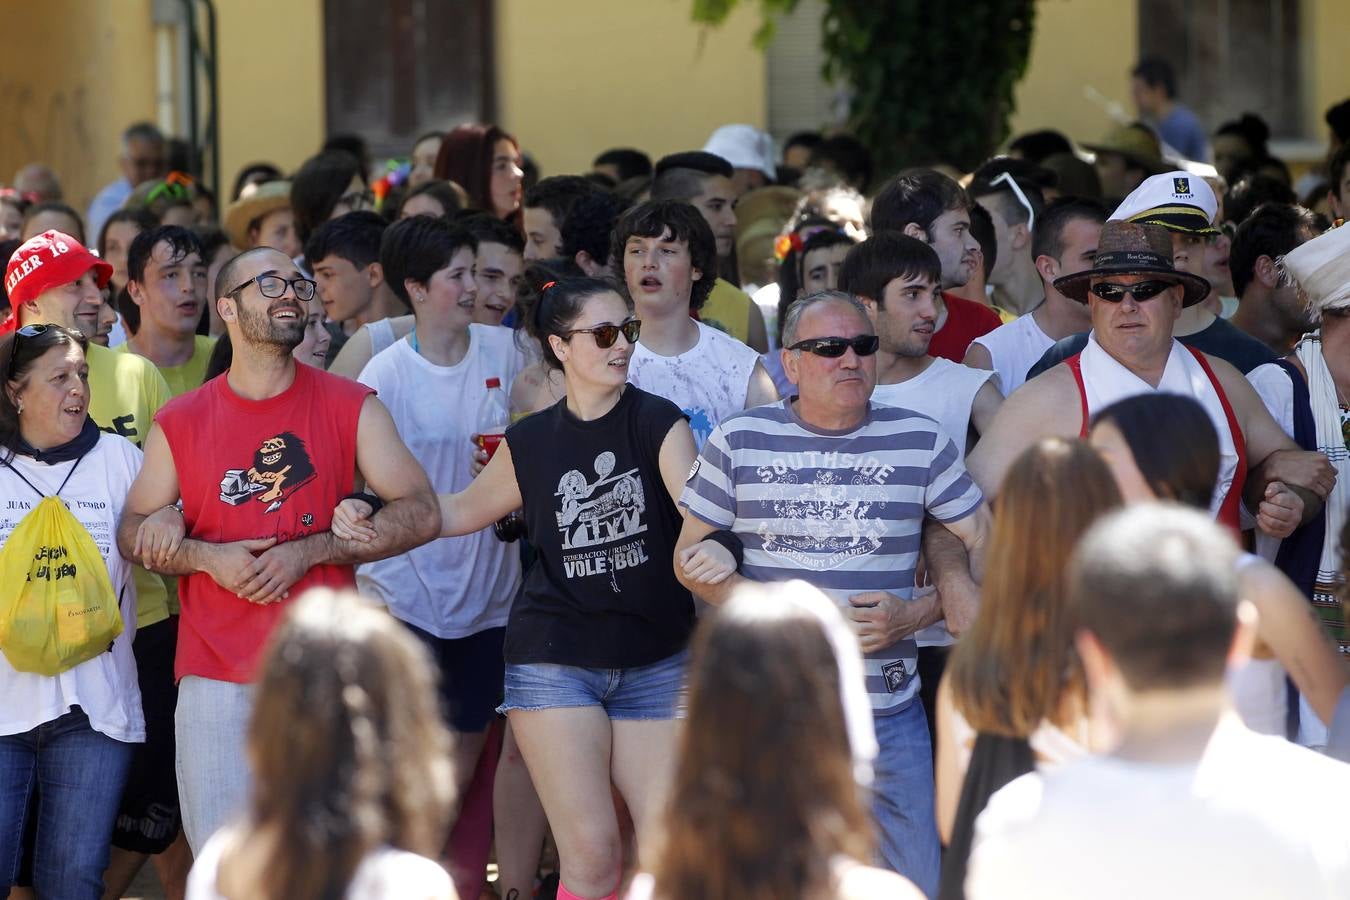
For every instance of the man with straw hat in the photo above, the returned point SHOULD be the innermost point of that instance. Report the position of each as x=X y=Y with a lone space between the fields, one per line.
x=1125 y=157
x=1308 y=393
x=1185 y=206
x=262 y=217
x=1134 y=295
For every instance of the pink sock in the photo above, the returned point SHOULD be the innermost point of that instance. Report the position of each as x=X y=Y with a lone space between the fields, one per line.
x=565 y=894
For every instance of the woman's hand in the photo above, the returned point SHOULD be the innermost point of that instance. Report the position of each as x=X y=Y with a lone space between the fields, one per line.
x=707 y=562
x=351 y=521
x=159 y=536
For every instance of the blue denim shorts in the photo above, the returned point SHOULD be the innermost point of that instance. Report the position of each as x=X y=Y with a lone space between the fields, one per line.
x=654 y=691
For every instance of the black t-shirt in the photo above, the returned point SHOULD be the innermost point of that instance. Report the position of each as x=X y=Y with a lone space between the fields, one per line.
x=1220 y=338
x=603 y=592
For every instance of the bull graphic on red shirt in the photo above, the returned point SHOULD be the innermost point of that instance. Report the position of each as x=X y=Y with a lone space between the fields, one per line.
x=281 y=465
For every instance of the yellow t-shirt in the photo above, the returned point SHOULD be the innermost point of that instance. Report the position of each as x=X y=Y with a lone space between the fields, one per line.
x=189 y=375
x=728 y=309
x=125 y=392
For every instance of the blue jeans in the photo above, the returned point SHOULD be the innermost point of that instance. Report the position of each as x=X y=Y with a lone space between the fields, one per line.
x=78 y=774
x=654 y=691
x=902 y=797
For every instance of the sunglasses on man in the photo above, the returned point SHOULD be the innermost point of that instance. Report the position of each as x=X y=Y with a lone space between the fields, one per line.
x=835 y=347
x=1144 y=290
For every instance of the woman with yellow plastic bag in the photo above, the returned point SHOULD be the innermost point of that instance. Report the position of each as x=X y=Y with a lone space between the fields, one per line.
x=70 y=707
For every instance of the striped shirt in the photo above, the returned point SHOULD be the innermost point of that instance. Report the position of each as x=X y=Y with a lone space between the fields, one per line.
x=841 y=510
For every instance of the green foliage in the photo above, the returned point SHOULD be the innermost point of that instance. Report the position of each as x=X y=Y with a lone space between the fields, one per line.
x=932 y=80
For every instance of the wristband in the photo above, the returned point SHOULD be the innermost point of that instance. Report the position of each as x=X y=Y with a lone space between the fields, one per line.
x=731 y=541
x=376 y=504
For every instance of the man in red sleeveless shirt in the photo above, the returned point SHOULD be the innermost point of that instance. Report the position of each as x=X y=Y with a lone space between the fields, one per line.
x=1134 y=295
x=259 y=456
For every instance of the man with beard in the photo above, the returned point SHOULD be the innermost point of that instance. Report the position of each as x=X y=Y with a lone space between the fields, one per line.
x=248 y=536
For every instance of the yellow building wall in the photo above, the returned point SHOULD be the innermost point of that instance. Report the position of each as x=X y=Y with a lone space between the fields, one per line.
x=579 y=77
x=67 y=92
x=271 y=90
x=1078 y=45
x=1325 y=28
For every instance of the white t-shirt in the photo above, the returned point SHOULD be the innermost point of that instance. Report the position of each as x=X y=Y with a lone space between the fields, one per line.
x=1014 y=349
x=458 y=586
x=944 y=391
x=105 y=687
x=1257 y=817
x=385 y=874
x=708 y=382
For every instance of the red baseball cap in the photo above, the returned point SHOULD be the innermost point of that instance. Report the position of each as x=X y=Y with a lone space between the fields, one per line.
x=50 y=260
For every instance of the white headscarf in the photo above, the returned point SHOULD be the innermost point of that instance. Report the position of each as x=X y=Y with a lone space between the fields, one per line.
x=1321 y=267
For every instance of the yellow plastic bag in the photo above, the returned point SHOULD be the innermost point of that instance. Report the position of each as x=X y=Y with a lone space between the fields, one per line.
x=57 y=603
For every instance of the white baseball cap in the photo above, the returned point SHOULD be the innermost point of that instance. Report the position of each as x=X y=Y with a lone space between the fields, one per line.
x=745 y=147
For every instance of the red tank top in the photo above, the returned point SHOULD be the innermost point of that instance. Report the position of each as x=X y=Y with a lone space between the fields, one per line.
x=1229 y=513
x=249 y=469
x=966 y=320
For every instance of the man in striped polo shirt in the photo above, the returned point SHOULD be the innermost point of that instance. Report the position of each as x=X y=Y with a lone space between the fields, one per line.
x=832 y=488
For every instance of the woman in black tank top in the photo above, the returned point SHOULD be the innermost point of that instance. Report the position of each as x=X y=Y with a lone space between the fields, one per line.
x=595 y=645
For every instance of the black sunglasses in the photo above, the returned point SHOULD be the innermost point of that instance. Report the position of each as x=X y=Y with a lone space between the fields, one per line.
x=1144 y=290
x=27 y=331
x=606 y=335
x=834 y=347
x=274 y=286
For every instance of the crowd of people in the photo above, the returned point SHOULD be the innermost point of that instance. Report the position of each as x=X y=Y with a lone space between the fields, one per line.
x=734 y=524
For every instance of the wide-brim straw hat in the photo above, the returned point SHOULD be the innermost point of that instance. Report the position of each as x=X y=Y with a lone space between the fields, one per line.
x=267 y=197
x=1137 y=143
x=1133 y=248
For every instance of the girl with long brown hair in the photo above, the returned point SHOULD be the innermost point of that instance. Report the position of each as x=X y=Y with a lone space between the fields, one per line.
x=1014 y=691
x=485 y=161
x=350 y=760
x=768 y=802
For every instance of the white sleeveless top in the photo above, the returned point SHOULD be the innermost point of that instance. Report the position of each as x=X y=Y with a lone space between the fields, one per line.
x=381 y=333
x=944 y=391
x=1014 y=349
x=708 y=382
x=1105 y=381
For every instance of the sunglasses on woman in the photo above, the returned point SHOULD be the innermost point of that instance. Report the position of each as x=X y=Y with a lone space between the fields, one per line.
x=606 y=335
x=27 y=331
x=834 y=347
x=1144 y=290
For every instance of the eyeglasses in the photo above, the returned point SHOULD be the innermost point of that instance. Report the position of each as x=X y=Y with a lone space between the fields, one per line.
x=27 y=331
x=1144 y=290
x=274 y=286
x=606 y=335
x=1006 y=178
x=834 y=347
